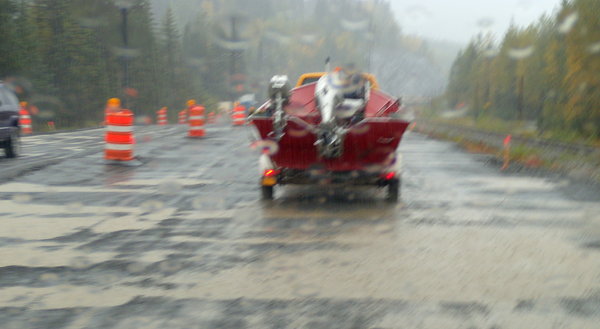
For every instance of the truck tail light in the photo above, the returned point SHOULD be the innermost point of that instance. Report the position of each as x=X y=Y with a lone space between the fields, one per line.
x=270 y=173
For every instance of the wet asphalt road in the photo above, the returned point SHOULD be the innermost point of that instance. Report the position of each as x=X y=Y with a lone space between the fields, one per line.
x=180 y=239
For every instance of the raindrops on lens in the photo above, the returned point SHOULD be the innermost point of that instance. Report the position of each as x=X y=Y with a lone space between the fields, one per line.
x=198 y=203
x=74 y=206
x=135 y=268
x=90 y=22
x=594 y=48
x=169 y=188
x=567 y=23
x=127 y=53
x=169 y=266
x=46 y=114
x=21 y=198
x=152 y=206
x=80 y=262
x=309 y=38
x=125 y=4
x=490 y=53
x=520 y=53
x=485 y=22
x=354 y=26
x=48 y=277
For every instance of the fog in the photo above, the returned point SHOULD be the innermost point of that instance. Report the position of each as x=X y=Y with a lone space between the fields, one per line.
x=459 y=21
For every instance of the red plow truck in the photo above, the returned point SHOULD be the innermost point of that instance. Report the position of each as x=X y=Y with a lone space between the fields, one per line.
x=333 y=128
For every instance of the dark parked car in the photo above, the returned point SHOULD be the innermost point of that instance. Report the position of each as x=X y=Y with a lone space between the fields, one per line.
x=9 y=122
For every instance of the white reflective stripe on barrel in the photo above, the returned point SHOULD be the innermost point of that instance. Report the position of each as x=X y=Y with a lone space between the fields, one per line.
x=192 y=128
x=119 y=129
x=25 y=117
x=25 y=126
x=196 y=117
x=119 y=147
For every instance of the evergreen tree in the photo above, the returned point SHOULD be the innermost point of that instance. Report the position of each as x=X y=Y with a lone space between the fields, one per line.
x=9 y=63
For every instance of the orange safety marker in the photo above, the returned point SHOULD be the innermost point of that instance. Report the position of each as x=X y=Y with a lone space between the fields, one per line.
x=119 y=136
x=112 y=105
x=239 y=115
x=506 y=155
x=25 y=120
x=162 y=117
x=183 y=117
x=196 y=122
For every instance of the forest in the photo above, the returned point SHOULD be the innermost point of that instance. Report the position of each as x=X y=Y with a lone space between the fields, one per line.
x=67 y=57
x=547 y=73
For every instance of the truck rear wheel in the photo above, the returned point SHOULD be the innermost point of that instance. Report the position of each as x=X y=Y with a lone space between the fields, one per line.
x=267 y=192
x=393 y=190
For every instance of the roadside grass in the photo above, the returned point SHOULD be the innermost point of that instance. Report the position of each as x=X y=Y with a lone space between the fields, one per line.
x=532 y=157
x=519 y=128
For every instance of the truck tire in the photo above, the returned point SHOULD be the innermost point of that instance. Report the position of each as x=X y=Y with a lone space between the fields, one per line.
x=393 y=190
x=12 y=146
x=267 y=192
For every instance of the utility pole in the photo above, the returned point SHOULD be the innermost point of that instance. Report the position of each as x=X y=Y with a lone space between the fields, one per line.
x=237 y=77
x=234 y=38
x=520 y=90
x=371 y=35
x=125 y=35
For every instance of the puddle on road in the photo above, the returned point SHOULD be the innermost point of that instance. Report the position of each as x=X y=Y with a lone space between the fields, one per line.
x=511 y=185
x=48 y=254
x=392 y=262
x=51 y=221
x=351 y=246
x=158 y=182
x=39 y=188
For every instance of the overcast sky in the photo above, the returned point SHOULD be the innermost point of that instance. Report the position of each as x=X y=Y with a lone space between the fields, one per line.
x=459 y=20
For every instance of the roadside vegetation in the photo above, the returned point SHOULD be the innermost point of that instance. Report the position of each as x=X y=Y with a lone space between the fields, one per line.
x=67 y=57
x=541 y=80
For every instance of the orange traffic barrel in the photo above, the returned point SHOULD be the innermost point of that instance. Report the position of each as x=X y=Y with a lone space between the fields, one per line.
x=211 y=118
x=119 y=136
x=196 y=122
x=239 y=115
x=183 y=117
x=25 y=120
x=162 y=116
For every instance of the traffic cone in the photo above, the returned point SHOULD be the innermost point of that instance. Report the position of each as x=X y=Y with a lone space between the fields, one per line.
x=25 y=120
x=119 y=136
x=239 y=115
x=162 y=117
x=196 y=122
